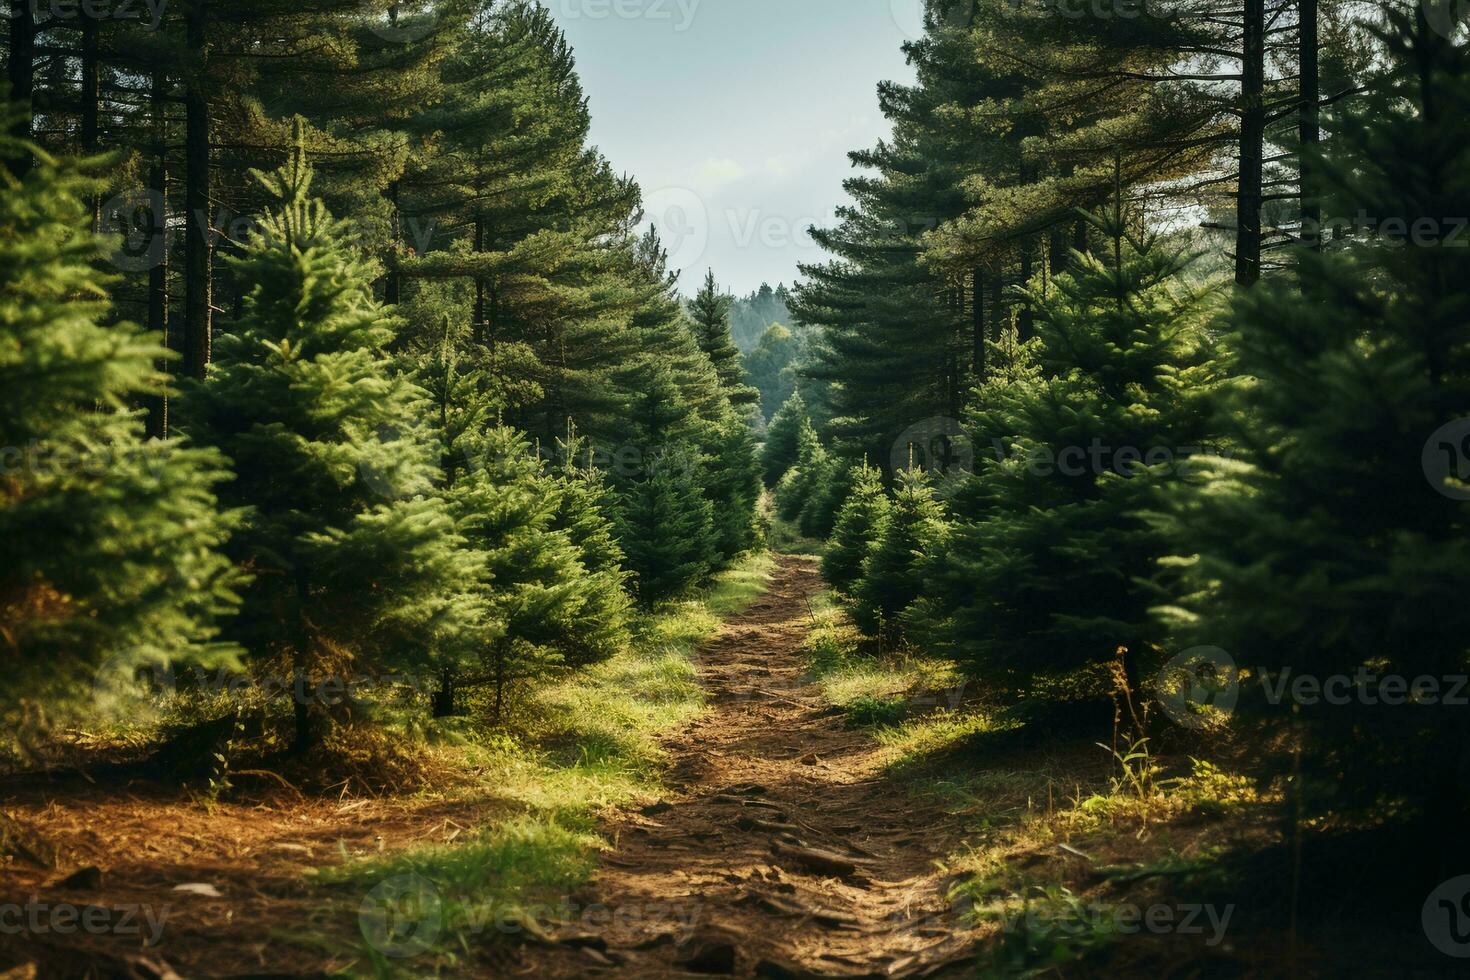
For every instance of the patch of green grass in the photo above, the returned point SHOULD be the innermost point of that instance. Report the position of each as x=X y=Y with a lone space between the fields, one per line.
x=437 y=902
x=866 y=711
x=593 y=742
x=1043 y=928
x=872 y=690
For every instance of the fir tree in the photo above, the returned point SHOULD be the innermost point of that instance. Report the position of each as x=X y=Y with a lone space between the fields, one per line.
x=112 y=543
x=805 y=477
x=666 y=526
x=856 y=528
x=358 y=567
x=711 y=311
x=830 y=488
x=1042 y=573
x=1323 y=550
x=554 y=610
x=915 y=525
x=733 y=485
x=782 y=439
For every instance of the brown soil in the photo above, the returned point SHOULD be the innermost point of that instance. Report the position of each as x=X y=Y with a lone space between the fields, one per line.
x=765 y=777
x=781 y=841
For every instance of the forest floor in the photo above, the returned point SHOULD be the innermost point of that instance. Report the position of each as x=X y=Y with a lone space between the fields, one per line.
x=782 y=844
x=750 y=790
x=768 y=843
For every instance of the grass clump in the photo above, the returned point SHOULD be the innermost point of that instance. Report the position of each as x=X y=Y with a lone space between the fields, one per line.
x=873 y=689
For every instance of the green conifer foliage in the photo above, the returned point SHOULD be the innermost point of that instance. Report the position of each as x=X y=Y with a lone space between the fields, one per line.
x=830 y=488
x=111 y=542
x=358 y=569
x=666 y=526
x=1042 y=572
x=1323 y=550
x=711 y=311
x=914 y=526
x=782 y=435
x=857 y=524
x=554 y=610
x=804 y=478
x=733 y=478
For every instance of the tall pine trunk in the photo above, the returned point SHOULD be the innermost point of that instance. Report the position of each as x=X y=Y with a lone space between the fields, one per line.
x=977 y=303
x=198 y=258
x=91 y=109
x=1309 y=128
x=1252 y=141
x=158 y=273
x=479 y=327
x=21 y=73
x=1026 y=322
x=392 y=286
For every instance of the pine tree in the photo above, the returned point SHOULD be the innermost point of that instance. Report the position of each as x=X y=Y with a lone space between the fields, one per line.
x=831 y=481
x=803 y=479
x=733 y=485
x=112 y=543
x=856 y=528
x=1322 y=551
x=1043 y=569
x=666 y=526
x=711 y=311
x=782 y=437
x=358 y=567
x=554 y=610
x=914 y=526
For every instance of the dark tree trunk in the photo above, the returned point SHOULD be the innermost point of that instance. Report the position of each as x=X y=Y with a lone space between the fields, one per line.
x=306 y=735
x=1252 y=138
x=158 y=274
x=393 y=285
x=21 y=73
x=198 y=257
x=1026 y=322
x=1309 y=125
x=479 y=326
x=997 y=308
x=444 y=697
x=977 y=311
x=1059 y=242
x=91 y=101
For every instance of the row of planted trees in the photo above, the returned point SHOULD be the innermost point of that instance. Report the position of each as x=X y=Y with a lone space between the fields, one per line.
x=1255 y=485
x=461 y=462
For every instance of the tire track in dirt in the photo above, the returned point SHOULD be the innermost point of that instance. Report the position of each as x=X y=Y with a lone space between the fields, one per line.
x=782 y=850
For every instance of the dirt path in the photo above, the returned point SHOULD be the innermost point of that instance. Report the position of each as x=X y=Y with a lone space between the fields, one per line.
x=781 y=841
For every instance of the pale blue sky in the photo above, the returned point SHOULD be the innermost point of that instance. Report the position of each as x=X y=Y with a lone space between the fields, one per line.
x=736 y=116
